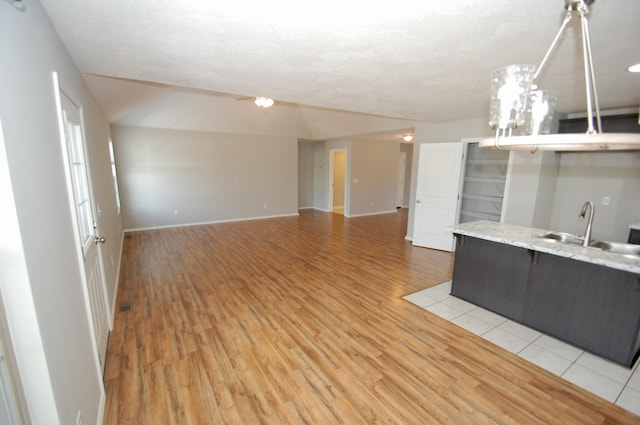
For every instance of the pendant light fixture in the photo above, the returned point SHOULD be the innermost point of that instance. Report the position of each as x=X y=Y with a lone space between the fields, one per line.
x=516 y=102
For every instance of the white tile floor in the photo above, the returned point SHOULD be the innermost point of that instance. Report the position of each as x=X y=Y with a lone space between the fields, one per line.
x=613 y=382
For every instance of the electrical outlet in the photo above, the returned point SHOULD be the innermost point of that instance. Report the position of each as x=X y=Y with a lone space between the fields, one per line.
x=265 y=206
x=605 y=200
x=176 y=212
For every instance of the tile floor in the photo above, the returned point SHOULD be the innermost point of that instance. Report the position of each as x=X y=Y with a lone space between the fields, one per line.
x=604 y=378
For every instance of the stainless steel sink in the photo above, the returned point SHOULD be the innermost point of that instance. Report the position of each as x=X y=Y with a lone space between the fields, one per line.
x=562 y=237
x=627 y=249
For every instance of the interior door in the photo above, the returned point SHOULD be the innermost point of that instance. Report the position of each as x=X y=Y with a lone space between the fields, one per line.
x=81 y=197
x=438 y=186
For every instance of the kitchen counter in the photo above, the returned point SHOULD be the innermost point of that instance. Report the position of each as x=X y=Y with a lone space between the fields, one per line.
x=584 y=296
x=525 y=237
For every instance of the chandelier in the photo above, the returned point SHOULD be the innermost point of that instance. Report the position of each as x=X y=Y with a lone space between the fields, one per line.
x=517 y=102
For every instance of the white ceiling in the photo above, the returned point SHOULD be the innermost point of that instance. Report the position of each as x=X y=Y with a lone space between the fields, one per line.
x=417 y=60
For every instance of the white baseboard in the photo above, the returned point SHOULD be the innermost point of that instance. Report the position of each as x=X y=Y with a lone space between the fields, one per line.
x=115 y=293
x=373 y=213
x=211 y=222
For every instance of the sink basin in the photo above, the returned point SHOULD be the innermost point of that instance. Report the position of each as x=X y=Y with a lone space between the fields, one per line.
x=627 y=249
x=562 y=238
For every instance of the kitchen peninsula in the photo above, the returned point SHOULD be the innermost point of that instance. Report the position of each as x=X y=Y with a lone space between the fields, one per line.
x=582 y=295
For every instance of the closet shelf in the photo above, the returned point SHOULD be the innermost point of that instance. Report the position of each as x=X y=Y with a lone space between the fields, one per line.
x=488 y=161
x=482 y=197
x=481 y=215
x=499 y=180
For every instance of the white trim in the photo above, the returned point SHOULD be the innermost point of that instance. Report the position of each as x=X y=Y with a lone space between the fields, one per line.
x=233 y=220
x=58 y=90
x=373 y=213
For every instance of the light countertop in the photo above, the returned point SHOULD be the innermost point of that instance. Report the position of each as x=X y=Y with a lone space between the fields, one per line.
x=525 y=237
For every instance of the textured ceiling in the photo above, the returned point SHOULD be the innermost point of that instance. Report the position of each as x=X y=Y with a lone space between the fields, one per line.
x=419 y=60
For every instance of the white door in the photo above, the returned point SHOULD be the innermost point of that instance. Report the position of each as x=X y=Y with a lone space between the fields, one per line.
x=438 y=186
x=402 y=164
x=81 y=197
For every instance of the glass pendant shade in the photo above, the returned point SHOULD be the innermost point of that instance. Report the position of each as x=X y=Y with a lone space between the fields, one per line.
x=538 y=115
x=516 y=102
x=510 y=87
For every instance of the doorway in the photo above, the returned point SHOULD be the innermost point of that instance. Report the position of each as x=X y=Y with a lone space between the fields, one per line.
x=338 y=183
x=402 y=166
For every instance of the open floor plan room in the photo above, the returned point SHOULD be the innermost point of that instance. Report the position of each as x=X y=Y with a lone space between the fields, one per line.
x=302 y=320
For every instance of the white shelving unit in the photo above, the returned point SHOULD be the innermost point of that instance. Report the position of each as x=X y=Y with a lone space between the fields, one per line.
x=483 y=184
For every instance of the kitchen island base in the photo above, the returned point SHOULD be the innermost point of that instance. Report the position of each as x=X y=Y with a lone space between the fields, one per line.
x=591 y=306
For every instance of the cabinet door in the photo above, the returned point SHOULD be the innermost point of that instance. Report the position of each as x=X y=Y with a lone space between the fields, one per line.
x=492 y=275
x=591 y=306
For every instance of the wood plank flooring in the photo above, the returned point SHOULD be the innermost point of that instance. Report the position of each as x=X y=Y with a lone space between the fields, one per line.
x=300 y=320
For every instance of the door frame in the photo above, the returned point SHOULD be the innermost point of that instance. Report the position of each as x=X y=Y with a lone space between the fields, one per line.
x=332 y=153
x=59 y=91
x=402 y=170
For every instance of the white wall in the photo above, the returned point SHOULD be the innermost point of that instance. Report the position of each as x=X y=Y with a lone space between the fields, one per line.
x=320 y=176
x=374 y=176
x=41 y=272
x=305 y=174
x=205 y=177
x=531 y=188
x=591 y=176
x=408 y=149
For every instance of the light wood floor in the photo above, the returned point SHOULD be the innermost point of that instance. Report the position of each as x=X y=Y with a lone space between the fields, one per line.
x=301 y=320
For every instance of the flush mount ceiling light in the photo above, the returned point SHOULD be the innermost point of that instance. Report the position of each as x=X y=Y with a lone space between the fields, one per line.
x=634 y=68
x=516 y=102
x=407 y=137
x=264 y=102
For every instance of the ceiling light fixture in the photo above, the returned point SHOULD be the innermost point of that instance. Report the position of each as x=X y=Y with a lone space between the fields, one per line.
x=517 y=102
x=264 y=102
x=407 y=137
x=634 y=68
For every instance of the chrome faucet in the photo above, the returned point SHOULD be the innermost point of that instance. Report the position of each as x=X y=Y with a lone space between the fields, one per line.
x=583 y=213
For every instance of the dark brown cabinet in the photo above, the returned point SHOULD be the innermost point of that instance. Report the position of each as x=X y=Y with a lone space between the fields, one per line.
x=499 y=286
x=593 y=307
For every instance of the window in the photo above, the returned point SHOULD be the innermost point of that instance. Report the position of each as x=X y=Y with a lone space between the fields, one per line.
x=80 y=181
x=113 y=173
